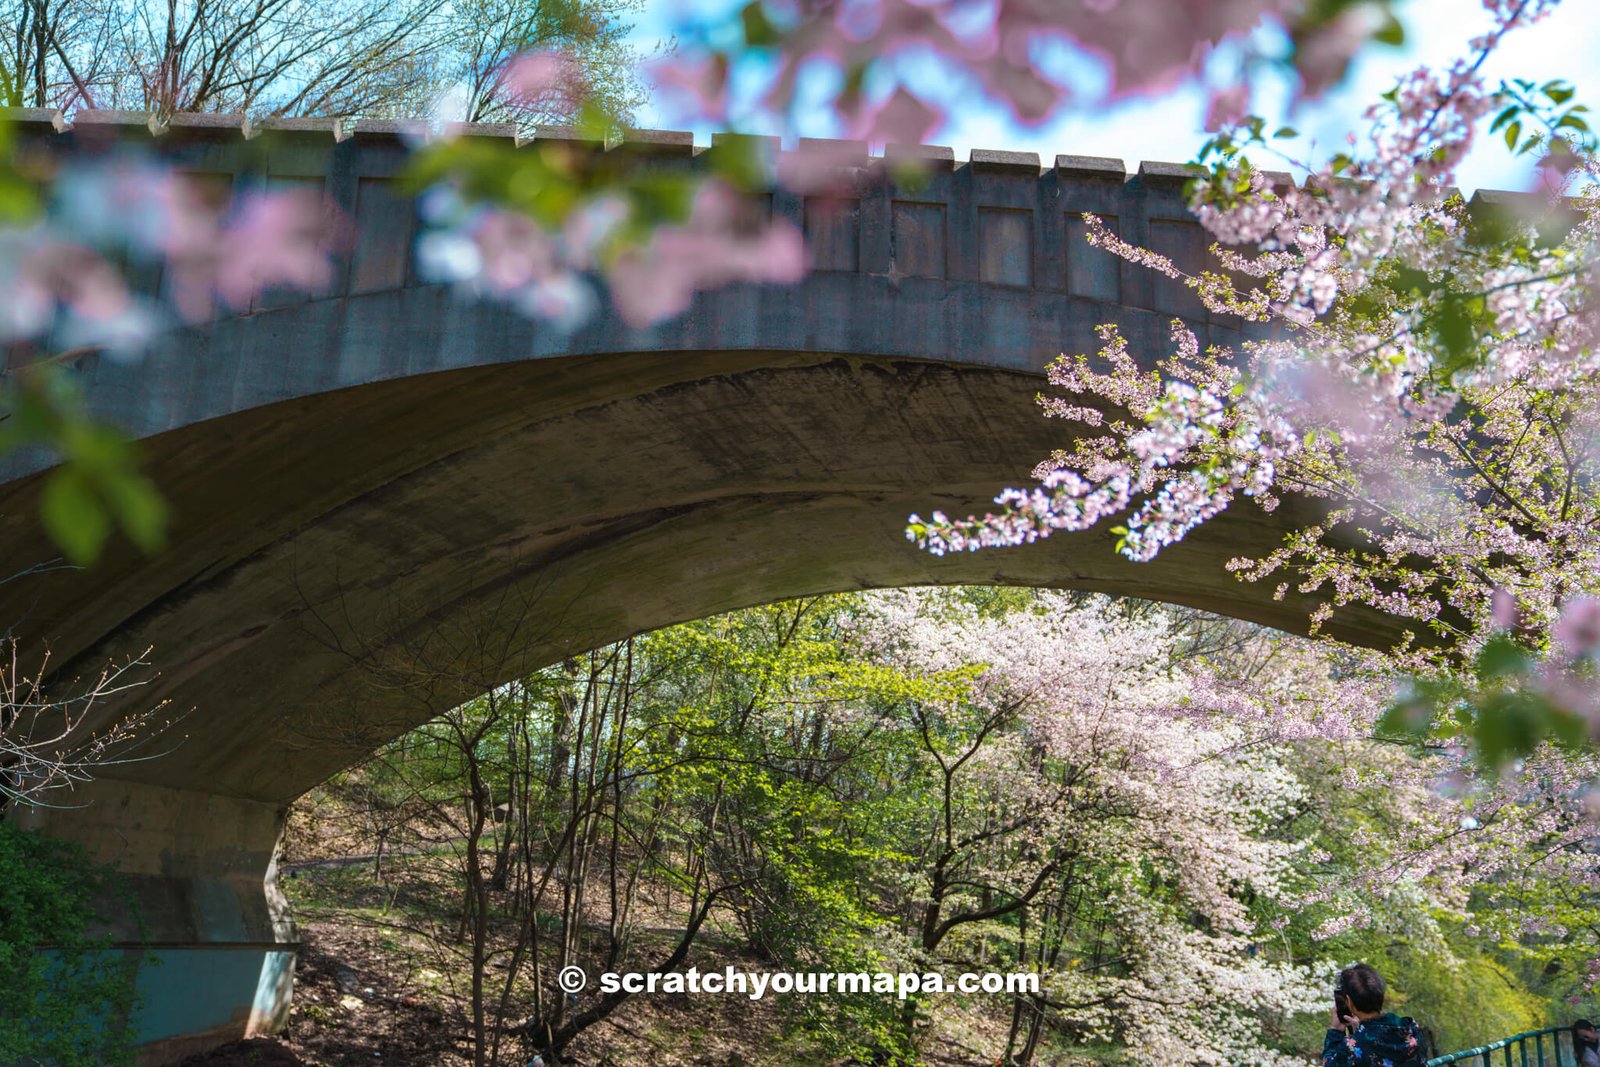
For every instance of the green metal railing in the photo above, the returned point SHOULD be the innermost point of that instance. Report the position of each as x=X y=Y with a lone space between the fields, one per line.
x=1560 y=1054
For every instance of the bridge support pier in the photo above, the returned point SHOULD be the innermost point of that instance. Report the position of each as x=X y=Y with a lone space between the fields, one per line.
x=201 y=868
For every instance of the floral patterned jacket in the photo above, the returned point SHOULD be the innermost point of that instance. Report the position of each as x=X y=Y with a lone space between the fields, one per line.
x=1387 y=1041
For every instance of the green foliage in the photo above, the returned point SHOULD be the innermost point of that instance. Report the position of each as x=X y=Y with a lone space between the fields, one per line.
x=98 y=486
x=67 y=996
x=788 y=757
x=1491 y=704
x=19 y=200
x=1542 y=112
x=1466 y=1003
x=550 y=181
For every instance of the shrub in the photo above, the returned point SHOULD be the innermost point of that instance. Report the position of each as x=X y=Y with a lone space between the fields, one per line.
x=66 y=995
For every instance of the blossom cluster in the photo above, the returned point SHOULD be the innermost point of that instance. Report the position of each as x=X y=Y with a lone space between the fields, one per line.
x=875 y=48
x=1196 y=437
x=652 y=266
x=64 y=270
x=551 y=272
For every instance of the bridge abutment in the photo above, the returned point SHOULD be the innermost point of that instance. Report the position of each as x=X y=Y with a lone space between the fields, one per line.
x=214 y=930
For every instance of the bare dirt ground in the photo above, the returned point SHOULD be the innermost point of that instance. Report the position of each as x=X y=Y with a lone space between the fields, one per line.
x=378 y=981
x=355 y=1005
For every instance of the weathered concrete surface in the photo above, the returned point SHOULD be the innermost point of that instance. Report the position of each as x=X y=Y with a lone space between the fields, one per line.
x=394 y=483
x=200 y=867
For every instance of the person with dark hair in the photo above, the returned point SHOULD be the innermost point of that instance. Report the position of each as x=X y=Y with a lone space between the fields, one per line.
x=1585 y=1044
x=1361 y=1033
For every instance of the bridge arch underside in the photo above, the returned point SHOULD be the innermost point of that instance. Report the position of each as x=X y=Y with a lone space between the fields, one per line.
x=487 y=520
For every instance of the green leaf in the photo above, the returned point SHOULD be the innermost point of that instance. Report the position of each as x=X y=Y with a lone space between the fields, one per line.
x=1455 y=330
x=759 y=32
x=1412 y=717
x=1500 y=657
x=139 y=507
x=1513 y=131
x=739 y=159
x=1286 y=131
x=1509 y=725
x=1392 y=32
x=73 y=517
x=1569 y=729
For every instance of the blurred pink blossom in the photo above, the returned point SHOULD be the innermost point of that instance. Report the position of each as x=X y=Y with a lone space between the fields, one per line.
x=1226 y=107
x=714 y=247
x=901 y=119
x=820 y=168
x=534 y=80
x=279 y=238
x=79 y=278
x=1503 y=608
x=1578 y=629
x=64 y=283
x=697 y=80
x=1324 y=54
x=1147 y=46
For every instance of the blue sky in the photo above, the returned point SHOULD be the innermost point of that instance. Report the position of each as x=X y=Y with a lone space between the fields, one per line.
x=1169 y=128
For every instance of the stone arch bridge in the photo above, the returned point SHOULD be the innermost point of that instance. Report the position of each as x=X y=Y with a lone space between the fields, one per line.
x=389 y=470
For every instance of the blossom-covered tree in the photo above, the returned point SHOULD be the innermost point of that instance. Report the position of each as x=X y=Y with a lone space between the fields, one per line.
x=1225 y=822
x=1424 y=369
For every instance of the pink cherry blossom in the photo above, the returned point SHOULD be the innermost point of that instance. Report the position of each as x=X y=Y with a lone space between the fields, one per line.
x=275 y=240
x=1146 y=46
x=901 y=119
x=211 y=247
x=713 y=248
x=1504 y=608
x=533 y=75
x=1578 y=629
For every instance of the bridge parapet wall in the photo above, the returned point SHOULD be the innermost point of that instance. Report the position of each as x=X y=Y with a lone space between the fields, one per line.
x=999 y=218
x=979 y=261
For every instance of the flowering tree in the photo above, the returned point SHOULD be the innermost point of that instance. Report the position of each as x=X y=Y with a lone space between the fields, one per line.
x=1428 y=368
x=1074 y=800
x=1228 y=825
x=1182 y=827
x=1428 y=375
